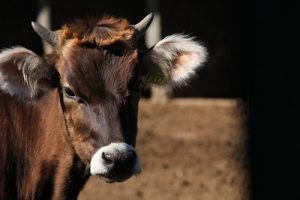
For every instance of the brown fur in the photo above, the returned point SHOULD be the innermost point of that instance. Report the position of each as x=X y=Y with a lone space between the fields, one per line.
x=36 y=158
x=97 y=73
x=102 y=32
x=47 y=143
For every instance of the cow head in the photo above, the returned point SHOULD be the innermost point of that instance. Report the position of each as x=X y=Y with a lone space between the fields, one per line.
x=98 y=68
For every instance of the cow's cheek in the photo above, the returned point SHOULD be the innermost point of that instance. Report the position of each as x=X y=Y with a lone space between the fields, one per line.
x=83 y=138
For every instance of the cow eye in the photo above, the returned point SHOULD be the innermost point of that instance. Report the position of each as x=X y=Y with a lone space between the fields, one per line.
x=69 y=93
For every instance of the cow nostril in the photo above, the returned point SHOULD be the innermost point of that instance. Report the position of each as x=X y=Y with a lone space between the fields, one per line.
x=107 y=158
x=131 y=155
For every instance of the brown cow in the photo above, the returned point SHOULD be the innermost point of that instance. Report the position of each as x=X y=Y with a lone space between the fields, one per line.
x=73 y=113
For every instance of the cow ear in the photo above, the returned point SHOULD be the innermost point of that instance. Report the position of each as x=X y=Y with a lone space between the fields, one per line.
x=25 y=74
x=173 y=60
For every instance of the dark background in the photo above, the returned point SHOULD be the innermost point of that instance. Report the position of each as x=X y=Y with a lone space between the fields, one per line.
x=213 y=22
x=253 y=55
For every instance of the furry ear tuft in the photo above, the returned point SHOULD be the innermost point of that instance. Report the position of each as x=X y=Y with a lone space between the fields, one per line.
x=174 y=60
x=24 y=74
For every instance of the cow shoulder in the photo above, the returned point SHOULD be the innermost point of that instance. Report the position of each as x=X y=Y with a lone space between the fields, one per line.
x=24 y=74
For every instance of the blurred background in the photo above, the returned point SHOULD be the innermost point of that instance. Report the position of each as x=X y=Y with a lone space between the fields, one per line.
x=231 y=134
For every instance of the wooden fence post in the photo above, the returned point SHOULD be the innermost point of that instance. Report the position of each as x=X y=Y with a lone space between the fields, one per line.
x=153 y=35
x=44 y=18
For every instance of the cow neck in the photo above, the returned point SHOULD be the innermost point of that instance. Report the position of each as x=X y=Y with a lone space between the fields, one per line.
x=69 y=172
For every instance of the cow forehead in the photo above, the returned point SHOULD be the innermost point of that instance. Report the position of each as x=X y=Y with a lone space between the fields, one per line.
x=96 y=71
x=101 y=32
x=97 y=55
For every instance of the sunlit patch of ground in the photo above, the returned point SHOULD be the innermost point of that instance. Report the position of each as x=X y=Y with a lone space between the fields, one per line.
x=190 y=149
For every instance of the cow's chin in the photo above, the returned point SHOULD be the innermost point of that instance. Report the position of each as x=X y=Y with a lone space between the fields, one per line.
x=113 y=179
x=113 y=176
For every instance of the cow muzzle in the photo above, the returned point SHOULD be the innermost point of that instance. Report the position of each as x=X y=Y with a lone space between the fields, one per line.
x=115 y=162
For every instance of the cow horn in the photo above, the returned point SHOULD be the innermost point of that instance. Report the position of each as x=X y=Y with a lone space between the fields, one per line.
x=143 y=25
x=47 y=35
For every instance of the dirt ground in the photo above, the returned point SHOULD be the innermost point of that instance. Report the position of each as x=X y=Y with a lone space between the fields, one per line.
x=190 y=149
